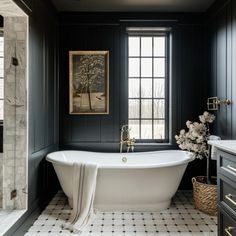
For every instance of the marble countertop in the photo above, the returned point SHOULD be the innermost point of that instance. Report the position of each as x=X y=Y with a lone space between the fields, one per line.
x=225 y=145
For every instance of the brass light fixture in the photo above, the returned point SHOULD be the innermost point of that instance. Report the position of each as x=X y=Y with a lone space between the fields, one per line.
x=213 y=103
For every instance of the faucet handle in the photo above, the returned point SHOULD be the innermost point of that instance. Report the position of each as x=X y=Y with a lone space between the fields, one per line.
x=132 y=148
x=133 y=140
x=124 y=126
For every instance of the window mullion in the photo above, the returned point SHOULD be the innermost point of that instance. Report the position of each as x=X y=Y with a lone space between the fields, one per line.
x=152 y=88
x=140 y=73
x=2 y=78
x=166 y=87
x=147 y=129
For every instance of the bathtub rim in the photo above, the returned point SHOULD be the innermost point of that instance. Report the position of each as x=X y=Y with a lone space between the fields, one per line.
x=188 y=159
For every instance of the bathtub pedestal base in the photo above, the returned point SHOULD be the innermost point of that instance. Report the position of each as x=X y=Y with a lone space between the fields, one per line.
x=129 y=208
x=70 y=201
x=134 y=208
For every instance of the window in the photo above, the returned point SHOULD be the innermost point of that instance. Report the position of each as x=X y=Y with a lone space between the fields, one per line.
x=147 y=86
x=1 y=74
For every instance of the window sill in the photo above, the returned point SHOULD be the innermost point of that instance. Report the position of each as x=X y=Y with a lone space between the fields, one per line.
x=153 y=144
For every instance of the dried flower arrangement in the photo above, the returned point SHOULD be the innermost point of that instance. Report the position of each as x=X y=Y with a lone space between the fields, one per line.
x=195 y=139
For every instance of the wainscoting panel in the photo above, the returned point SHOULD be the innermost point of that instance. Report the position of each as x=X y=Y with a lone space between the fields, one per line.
x=222 y=51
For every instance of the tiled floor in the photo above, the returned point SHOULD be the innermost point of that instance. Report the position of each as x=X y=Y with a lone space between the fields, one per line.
x=180 y=219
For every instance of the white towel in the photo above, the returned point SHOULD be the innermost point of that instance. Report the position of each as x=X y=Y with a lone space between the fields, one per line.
x=84 y=182
x=213 y=148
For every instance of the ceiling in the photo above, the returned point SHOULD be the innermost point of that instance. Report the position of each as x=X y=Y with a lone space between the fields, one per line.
x=133 y=5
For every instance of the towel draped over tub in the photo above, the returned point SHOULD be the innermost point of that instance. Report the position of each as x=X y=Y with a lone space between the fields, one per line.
x=84 y=186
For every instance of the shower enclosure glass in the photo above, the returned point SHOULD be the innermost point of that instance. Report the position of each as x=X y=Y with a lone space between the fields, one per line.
x=1 y=107
x=13 y=114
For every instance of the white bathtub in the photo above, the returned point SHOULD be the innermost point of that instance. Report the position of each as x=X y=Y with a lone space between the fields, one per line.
x=147 y=181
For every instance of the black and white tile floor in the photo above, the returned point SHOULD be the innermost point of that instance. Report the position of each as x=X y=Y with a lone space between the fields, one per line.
x=180 y=219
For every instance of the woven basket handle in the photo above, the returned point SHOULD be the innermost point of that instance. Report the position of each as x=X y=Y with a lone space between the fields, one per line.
x=194 y=180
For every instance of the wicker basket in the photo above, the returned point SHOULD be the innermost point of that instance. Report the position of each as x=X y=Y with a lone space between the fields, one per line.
x=204 y=195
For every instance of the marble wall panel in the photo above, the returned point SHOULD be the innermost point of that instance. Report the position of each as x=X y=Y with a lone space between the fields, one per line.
x=15 y=113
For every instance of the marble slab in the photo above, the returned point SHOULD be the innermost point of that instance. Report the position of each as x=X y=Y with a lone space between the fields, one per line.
x=8 y=218
x=14 y=165
x=225 y=145
x=9 y=8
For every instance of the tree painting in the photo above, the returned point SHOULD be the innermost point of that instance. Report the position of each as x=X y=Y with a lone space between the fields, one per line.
x=88 y=82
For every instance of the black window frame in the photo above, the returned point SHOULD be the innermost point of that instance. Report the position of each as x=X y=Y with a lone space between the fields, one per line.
x=153 y=33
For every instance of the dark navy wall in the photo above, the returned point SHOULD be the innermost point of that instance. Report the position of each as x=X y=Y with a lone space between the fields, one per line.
x=221 y=30
x=43 y=95
x=105 y=31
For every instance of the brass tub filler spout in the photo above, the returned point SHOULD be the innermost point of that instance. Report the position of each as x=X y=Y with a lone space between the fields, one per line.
x=125 y=139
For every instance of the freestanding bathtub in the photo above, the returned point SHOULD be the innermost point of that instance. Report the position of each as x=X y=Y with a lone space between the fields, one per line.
x=141 y=181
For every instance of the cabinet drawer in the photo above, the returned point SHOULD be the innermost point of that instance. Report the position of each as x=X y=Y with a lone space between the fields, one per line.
x=227 y=224
x=227 y=164
x=227 y=193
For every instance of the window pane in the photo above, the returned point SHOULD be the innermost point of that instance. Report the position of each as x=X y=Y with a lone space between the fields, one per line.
x=134 y=46
x=146 y=46
x=146 y=67
x=159 y=88
x=159 y=67
x=134 y=88
x=1 y=67
x=146 y=129
x=134 y=67
x=159 y=108
x=146 y=88
x=159 y=129
x=1 y=89
x=159 y=46
x=134 y=129
x=133 y=108
x=146 y=108
x=1 y=47
x=1 y=109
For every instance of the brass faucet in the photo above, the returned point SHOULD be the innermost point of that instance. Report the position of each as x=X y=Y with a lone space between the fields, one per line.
x=127 y=140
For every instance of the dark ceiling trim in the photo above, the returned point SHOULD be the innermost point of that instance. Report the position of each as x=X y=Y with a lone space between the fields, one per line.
x=51 y=7
x=215 y=8
x=143 y=20
x=118 y=17
x=25 y=5
x=22 y=5
x=30 y=8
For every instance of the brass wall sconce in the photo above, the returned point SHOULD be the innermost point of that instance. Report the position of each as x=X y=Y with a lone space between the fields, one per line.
x=213 y=103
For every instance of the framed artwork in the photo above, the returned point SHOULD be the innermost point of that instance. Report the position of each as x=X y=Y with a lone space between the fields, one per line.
x=89 y=82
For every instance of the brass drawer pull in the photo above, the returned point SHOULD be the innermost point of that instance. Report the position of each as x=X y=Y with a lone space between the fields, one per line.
x=228 y=230
x=231 y=168
x=229 y=197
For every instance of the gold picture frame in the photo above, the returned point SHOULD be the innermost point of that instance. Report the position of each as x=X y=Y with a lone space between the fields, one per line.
x=89 y=82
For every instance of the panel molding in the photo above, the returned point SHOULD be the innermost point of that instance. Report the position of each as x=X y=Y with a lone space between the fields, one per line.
x=222 y=75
